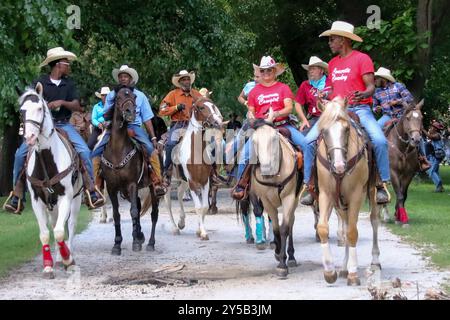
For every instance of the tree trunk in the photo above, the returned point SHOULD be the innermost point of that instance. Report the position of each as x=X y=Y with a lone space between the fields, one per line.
x=10 y=142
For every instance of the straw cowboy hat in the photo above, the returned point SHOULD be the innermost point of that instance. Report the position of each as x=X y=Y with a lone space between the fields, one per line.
x=268 y=62
x=344 y=29
x=315 y=62
x=384 y=73
x=56 y=54
x=103 y=91
x=183 y=73
x=125 y=69
x=204 y=92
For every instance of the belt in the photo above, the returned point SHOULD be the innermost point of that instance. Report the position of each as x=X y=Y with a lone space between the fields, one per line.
x=280 y=123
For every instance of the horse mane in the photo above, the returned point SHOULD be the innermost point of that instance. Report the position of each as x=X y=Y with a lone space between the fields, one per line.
x=334 y=111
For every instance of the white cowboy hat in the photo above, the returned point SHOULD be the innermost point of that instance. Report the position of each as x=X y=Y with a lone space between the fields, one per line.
x=344 y=29
x=125 y=69
x=315 y=62
x=183 y=73
x=103 y=91
x=56 y=54
x=204 y=92
x=268 y=62
x=384 y=73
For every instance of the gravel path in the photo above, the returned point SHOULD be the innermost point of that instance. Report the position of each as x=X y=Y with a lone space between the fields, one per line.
x=225 y=267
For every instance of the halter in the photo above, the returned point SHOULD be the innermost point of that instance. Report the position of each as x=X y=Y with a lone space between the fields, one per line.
x=207 y=123
x=37 y=124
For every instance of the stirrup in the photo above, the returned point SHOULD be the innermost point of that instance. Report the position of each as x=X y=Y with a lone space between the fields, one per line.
x=7 y=207
x=383 y=187
x=244 y=193
x=100 y=202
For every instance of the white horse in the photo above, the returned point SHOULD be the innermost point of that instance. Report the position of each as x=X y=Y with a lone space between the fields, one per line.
x=53 y=179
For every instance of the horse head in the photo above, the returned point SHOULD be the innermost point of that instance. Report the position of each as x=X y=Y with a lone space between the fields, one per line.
x=207 y=113
x=411 y=122
x=35 y=115
x=334 y=123
x=125 y=104
x=266 y=141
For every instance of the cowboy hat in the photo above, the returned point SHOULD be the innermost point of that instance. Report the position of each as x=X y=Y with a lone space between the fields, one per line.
x=384 y=73
x=315 y=62
x=437 y=125
x=126 y=69
x=183 y=73
x=103 y=91
x=344 y=29
x=204 y=92
x=268 y=62
x=56 y=54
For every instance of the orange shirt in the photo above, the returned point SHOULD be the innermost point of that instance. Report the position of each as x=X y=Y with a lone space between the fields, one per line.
x=169 y=104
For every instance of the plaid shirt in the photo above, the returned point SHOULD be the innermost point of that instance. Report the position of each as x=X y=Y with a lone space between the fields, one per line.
x=393 y=91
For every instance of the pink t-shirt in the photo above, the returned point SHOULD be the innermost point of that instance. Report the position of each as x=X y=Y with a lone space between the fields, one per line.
x=307 y=96
x=262 y=98
x=346 y=75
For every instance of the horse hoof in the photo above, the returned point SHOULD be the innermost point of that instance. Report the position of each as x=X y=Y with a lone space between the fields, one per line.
x=405 y=225
x=317 y=237
x=48 y=273
x=353 y=280
x=330 y=276
x=176 y=232
x=137 y=246
x=273 y=245
x=343 y=274
x=341 y=243
x=213 y=210
x=375 y=267
x=116 y=251
x=261 y=246
x=204 y=237
x=250 y=240
x=70 y=264
x=102 y=221
x=292 y=263
x=150 y=247
x=198 y=233
x=282 y=272
x=110 y=220
x=181 y=226
x=141 y=239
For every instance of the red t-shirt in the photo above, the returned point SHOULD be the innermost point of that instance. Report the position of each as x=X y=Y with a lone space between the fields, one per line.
x=307 y=96
x=261 y=98
x=346 y=75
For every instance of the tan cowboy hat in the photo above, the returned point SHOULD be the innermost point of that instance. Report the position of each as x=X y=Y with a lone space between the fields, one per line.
x=56 y=54
x=204 y=92
x=183 y=73
x=103 y=91
x=344 y=29
x=125 y=69
x=315 y=62
x=384 y=73
x=268 y=62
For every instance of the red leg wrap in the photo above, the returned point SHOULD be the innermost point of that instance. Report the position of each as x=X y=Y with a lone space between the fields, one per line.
x=402 y=215
x=63 y=250
x=48 y=260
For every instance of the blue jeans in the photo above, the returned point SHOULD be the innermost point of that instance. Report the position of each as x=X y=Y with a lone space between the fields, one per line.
x=296 y=136
x=74 y=137
x=172 y=140
x=140 y=136
x=382 y=121
x=374 y=132
x=433 y=172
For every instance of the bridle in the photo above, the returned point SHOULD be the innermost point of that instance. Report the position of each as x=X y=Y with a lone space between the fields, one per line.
x=206 y=123
x=38 y=124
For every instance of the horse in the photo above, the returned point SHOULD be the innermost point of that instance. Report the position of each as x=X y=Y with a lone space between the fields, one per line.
x=404 y=138
x=275 y=180
x=345 y=178
x=124 y=170
x=53 y=178
x=195 y=158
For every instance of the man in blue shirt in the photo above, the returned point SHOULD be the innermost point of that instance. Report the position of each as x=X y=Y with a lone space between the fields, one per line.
x=127 y=76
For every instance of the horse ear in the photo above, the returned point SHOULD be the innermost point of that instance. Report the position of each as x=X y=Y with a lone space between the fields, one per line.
x=39 y=88
x=420 y=104
x=19 y=92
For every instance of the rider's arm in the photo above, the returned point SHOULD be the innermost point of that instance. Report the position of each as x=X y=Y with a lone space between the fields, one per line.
x=300 y=112
x=369 y=81
x=94 y=116
x=286 y=110
x=242 y=99
x=168 y=106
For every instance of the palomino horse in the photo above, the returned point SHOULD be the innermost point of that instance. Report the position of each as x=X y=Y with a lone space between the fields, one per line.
x=196 y=161
x=344 y=180
x=124 y=170
x=404 y=138
x=53 y=177
x=274 y=180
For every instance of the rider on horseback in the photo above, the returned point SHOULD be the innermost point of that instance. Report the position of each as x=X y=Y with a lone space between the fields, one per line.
x=62 y=97
x=126 y=76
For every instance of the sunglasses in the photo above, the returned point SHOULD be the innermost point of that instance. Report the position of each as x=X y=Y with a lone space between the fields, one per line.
x=65 y=63
x=266 y=70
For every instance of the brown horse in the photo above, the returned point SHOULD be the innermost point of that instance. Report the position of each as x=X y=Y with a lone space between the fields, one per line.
x=404 y=138
x=344 y=180
x=124 y=170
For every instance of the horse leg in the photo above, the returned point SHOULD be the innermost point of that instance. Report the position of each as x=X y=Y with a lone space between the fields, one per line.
x=375 y=222
x=181 y=190
x=138 y=236
x=342 y=217
x=168 y=200
x=315 y=209
x=72 y=222
x=44 y=235
x=200 y=198
x=291 y=259
x=340 y=232
x=325 y=203
x=213 y=206
x=154 y=215
x=116 y=250
x=352 y=238
x=64 y=210
x=245 y=206
x=258 y=211
x=402 y=213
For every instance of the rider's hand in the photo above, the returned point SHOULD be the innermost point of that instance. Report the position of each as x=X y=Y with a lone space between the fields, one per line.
x=155 y=144
x=100 y=126
x=181 y=107
x=358 y=96
x=305 y=123
x=54 y=105
x=395 y=102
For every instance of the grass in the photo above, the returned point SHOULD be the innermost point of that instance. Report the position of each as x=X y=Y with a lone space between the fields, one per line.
x=19 y=236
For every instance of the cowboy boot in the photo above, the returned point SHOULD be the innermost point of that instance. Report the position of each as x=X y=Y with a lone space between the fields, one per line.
x=15 y=200
x=260 y=230
x=307 y=198
x=239 y=192
x=155 y=175
x=382 y=195
x=248 y=229
x=94 y=198
x=424 y=163
x=217 y=179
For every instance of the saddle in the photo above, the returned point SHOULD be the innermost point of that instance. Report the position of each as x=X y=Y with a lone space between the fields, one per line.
x=298 y=152
x=389 y=125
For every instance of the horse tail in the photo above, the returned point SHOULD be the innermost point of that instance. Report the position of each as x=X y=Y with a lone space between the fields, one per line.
x=238 y=209
x=147 y=202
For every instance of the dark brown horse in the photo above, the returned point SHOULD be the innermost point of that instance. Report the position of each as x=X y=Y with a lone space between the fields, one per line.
x=404 y=138
x=125 y=171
